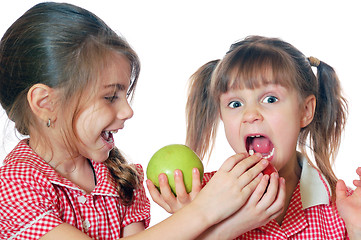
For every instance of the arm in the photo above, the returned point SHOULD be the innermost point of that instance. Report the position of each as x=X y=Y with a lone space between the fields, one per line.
x=229 y=185
x=349 y=207
x=171 y=203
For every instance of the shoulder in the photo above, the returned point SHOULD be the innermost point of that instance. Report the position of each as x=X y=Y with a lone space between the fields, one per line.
x=26 y=194
x=25 y=176
x=20 y=168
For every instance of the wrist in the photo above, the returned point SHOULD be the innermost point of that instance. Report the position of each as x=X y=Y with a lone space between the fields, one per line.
x=202 y=213
x=354 y=232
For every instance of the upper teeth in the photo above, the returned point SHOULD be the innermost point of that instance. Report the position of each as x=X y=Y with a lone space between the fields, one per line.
x=107 y=133
x=255 y=136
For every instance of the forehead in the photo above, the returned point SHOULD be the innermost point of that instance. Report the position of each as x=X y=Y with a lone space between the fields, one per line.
x=115 y=72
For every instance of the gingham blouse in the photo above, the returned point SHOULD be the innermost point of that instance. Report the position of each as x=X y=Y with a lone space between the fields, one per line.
x=310 y=214
x=34 y=199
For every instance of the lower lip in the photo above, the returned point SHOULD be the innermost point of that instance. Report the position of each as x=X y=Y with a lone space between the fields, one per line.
x=108 y=145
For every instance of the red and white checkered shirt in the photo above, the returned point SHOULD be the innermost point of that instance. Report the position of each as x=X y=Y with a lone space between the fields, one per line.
x=34 y=199
x=310 y=214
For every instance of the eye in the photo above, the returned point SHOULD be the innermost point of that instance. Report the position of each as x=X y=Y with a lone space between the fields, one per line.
x=270 y=99
x=235 y=104
x=111 y=98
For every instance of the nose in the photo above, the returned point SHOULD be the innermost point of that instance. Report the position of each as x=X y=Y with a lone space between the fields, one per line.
x=251 y=114
x=125 y=111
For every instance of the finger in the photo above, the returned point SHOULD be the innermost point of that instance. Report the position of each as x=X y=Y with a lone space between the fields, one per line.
x=156 y=196
x=247 y=164
x=358 y=171
x=247 y=176
x=271 y=193
x=180 y=188
x=249 y=189
x=341 y=190
x=196 y=181
x=278 y=205
x=260 y=190
x=165 y=190
x=232 y=161
x=357 y=183
x=154 y=192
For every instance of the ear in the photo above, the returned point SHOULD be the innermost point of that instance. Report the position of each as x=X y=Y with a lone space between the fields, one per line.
x=41 y=99
x=308 y=111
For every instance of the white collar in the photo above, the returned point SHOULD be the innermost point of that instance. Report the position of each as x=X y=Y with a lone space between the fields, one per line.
x=314 y=187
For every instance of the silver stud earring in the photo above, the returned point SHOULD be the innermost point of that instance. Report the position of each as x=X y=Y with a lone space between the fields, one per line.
x=48 y=123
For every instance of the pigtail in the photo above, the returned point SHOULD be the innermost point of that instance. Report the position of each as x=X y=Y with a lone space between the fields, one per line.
x=125 y=175
x=329 y=121
x=201 y=111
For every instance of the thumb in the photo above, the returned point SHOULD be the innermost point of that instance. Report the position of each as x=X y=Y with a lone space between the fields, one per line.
x=341 y=190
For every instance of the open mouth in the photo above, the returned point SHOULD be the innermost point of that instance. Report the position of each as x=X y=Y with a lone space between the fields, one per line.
x=260 y=144
x=108 y=136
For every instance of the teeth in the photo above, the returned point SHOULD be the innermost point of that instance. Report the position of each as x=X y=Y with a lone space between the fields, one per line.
x=251 y=152
x=270 y=155
x=113 y=131
x=106 y=134
x=254 y=136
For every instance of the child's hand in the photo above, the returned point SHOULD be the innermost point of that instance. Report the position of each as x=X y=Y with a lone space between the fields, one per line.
x=166 y=199
x=265 y=204
x=349 y=207
x=231 y=186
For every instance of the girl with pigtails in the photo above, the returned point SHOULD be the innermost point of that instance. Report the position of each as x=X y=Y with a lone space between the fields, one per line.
x=271 y=103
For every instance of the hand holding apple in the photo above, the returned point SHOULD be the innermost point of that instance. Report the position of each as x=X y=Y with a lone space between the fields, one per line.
x=171 y=157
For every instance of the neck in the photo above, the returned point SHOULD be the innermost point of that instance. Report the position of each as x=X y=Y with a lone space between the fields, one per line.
x=291 y=172
x=76 y=169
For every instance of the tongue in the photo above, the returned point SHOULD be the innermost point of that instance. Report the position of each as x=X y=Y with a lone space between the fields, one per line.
x=262 y=145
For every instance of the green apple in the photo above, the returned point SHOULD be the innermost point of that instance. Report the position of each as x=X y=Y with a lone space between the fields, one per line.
x=172 y=157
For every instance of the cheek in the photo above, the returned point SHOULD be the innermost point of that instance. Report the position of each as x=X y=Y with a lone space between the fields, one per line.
x=85 y=123
x=232 y=133
x=288 y=131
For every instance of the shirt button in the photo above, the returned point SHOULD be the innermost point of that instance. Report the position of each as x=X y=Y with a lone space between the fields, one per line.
x=86 y=225
x=82 y=199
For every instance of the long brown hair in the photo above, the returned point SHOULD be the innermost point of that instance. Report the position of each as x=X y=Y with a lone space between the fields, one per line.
x=257 y=60
x=64 y=47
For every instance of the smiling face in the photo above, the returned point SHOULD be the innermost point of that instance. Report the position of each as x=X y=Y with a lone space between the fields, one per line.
x=106 y=112
x=265 y=119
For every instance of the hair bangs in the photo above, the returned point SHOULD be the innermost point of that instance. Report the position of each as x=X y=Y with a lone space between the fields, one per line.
x=253 y=67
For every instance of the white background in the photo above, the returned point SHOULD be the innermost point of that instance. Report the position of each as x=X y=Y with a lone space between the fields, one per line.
x=174 y=38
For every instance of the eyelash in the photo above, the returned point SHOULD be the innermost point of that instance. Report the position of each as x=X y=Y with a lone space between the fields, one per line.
x=112 y=98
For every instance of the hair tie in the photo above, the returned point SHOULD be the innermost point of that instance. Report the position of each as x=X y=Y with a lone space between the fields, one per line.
x=314 y=62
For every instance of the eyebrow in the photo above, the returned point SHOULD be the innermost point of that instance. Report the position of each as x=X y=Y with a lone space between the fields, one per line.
x=117 y=86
